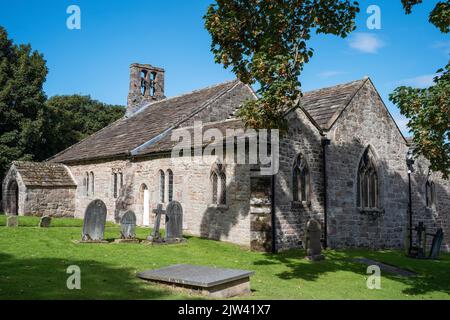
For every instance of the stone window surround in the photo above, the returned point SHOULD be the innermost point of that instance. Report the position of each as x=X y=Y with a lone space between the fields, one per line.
x=377 y=210
x=218 y=185
x=167 y=192
x=300 y=166
x=116 y=181
x=430 y=196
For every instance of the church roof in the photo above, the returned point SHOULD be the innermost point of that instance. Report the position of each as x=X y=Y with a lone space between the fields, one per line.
x=326 y=104
x=42 y=174
x=147 y=130
x=166 y=143
x=144 y=126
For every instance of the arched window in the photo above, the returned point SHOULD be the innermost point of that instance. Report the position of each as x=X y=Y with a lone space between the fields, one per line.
x=368 y=188
x=92 y=184
x=87 y=183
x=301 y=180
x=162 y=186
x=430 y=194
x=170 y=185
x=115 y=189
x=215 y=187
x=218 y=184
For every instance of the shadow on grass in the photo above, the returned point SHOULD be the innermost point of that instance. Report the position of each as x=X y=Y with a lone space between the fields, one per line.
x=432 y=275
x=47 y=279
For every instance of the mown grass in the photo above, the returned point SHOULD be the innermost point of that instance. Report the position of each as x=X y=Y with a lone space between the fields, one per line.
x=33 y=264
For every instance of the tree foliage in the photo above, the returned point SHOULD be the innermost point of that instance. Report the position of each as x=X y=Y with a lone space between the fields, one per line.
x=429 y=109
x=22 y=74
x=440 y=16
x=75 y=117
x=32 y=127
x=429 y=113
x=265 y=42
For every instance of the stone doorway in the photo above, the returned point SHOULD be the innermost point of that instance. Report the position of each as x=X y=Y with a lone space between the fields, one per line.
x=12 y=198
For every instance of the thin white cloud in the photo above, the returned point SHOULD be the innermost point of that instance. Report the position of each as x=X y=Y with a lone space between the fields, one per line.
x=366 y=42
x=443 y=46
x=330 y=74
x=423 y=81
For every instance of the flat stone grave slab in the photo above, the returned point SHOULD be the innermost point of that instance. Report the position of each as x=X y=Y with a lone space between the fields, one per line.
x=213 y=282
x=386 y=267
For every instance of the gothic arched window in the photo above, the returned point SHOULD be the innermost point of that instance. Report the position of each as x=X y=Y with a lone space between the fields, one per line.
x=218 y=184
x=430 y=194
x=115 y=189
x=301 y=180
x=92 y=184
x=368 y=188
x=162 y=186
x=170 y=185
x=87 y=183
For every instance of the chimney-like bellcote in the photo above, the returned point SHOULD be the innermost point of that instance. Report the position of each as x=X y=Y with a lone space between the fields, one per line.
x=146 y=85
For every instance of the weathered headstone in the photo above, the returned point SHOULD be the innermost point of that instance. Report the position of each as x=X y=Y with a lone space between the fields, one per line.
x=312 y=241
x=174 y=222
x=45 y=222
x=128 y=225
x=12 y=221
x=436 y=244
x=94 y=221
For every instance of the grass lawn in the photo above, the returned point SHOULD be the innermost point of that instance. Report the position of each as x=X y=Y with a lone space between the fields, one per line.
x=33 y=265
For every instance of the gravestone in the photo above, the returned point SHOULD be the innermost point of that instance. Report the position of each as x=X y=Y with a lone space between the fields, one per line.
x=128 y=225
x=436 y=244
x=156 y=234
x=174 y=222
x=45 y=222
x=94 y=222
x=213 y=282
x=12 y=221
x=312 y=241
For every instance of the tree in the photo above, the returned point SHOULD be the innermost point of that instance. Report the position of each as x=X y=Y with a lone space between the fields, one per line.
x=265 y=43
x=429 y=109
x=32 y=127
x=440 y=16
x=75 y=117
x=22 y=74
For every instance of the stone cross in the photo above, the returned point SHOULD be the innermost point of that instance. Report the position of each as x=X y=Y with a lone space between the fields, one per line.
x=94 y=221
x=156 y=234
x=174 y=221
x=128 y=225
x=45 y=222
x=312 y=241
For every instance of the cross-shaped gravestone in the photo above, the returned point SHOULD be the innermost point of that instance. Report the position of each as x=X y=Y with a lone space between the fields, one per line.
x=158 y=212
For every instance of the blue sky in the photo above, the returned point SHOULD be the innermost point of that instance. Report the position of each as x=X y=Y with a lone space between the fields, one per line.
x=170 y=34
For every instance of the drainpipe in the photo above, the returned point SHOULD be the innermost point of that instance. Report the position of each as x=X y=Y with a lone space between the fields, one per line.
x=272 y=210
x=325 y=143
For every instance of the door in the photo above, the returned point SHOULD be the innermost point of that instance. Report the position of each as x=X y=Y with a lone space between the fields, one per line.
x=146 y=207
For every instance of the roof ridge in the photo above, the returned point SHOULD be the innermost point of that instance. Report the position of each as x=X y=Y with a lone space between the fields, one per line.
x=338 y=112
x=145 y=106
x=82 y=140
x=337 y=85
x=169 y=129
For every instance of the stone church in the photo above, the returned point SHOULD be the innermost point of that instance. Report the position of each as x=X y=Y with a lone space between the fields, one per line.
x=341 y=162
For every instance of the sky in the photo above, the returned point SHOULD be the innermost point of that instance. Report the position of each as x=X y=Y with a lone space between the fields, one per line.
x=94 y=60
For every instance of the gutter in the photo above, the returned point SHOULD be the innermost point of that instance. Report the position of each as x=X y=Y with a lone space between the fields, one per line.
x=272 y=209
x=325 y=143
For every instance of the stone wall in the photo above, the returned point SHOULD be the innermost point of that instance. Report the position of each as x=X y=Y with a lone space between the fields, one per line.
x=192 y=189
x=54 y=202
x=366 y=123
x=434 y=217
x=303 y=138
